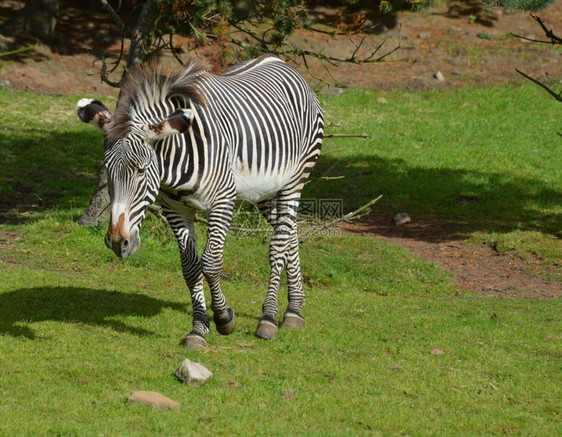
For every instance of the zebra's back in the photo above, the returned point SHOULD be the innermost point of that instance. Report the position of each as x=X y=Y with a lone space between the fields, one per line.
x=270 y=121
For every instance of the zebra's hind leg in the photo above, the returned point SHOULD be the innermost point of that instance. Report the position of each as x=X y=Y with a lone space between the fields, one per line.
x=219 y=219
x=292 y=317
x=182 y=225
x=281 y=247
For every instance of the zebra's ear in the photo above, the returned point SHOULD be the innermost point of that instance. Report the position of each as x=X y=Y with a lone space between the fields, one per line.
x=93 y=111
x=177 y=123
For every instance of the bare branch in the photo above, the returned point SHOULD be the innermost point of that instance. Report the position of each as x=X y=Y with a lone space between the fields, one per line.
x=363 y=135
x=331 y=178
x=157 y=211
x=530 y=39
x=18 y=51
x=321 y=79
x=542 y=85
x=370 y=59
x=173 y=49
x=554 y=39
x=354 y=215
x=104 y=75
x=263 y=44
x=115 y=17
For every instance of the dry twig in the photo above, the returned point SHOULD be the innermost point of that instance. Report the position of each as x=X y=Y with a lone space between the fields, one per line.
x=347 y=218
x=354 y=215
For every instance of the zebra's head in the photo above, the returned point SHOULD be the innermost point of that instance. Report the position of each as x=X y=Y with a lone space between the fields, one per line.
x=132 y=168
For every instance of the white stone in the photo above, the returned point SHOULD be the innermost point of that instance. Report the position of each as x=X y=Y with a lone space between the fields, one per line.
x=332 y=91
x=193 y=374
x=401 y=218
x=439 y=76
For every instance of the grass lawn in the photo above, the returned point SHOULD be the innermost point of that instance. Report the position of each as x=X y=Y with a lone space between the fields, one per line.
x=81 y=329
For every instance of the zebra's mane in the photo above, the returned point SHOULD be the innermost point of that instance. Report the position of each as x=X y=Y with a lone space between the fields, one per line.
x=147 y=87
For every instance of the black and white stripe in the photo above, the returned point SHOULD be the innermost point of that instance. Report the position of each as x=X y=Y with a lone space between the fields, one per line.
x=253 y=133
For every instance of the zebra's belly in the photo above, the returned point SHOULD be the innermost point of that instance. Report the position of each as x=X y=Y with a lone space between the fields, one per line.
x=257 y=187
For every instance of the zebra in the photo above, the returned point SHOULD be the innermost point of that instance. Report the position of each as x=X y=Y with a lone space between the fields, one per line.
x=200 y=141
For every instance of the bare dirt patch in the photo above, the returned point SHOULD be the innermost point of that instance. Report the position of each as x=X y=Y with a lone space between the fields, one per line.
x=477 y=267
x=468 y=50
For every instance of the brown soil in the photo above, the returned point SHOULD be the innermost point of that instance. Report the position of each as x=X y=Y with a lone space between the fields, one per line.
x=475 y=50
x=479 y=268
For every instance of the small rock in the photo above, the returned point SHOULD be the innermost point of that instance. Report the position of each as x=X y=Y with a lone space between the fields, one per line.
x=331 y=91
x=382 y=100
x=439 y=76
x=153 y=399
x=401 y=218
x=527 y=39
x=193 y=374
x=437 y=352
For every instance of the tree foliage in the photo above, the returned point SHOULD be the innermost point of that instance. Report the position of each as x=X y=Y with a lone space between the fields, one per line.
x=242 y=29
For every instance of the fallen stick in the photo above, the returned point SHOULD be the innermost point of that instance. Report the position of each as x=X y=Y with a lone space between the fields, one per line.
x=363 y=135
x=354 y=215
x=349 y=217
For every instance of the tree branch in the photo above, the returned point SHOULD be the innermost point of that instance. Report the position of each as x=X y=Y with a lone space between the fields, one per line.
x=554 y=39
x=15 y=52
x=142 y=35
x=157 y=211
x=354 y=215
x=104 y=75
x=542 y=85
x=363 y=135
x=115 y=17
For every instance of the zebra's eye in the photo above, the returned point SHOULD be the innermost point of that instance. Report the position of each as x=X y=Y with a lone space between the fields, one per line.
x=141 y=172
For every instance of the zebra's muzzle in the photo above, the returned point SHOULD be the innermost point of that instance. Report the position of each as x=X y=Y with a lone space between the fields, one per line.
x=120 y=241
x=123 y=247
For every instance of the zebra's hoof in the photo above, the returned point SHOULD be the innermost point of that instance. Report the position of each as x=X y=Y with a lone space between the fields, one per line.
x=227 y=325
x=266 y=328
x=292 y=320
x=194 y=341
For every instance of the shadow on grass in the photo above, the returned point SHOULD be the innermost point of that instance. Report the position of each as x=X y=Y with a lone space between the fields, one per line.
x=22 y=307
x=58 y=170
x=459 y=200
x=42 y=170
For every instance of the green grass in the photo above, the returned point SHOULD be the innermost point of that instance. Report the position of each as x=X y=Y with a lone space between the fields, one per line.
x=480 y=162
x=81 y=329
x=498 y=148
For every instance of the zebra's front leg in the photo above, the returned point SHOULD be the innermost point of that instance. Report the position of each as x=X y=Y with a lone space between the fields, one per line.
x=182 y=225
x=219 y=219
